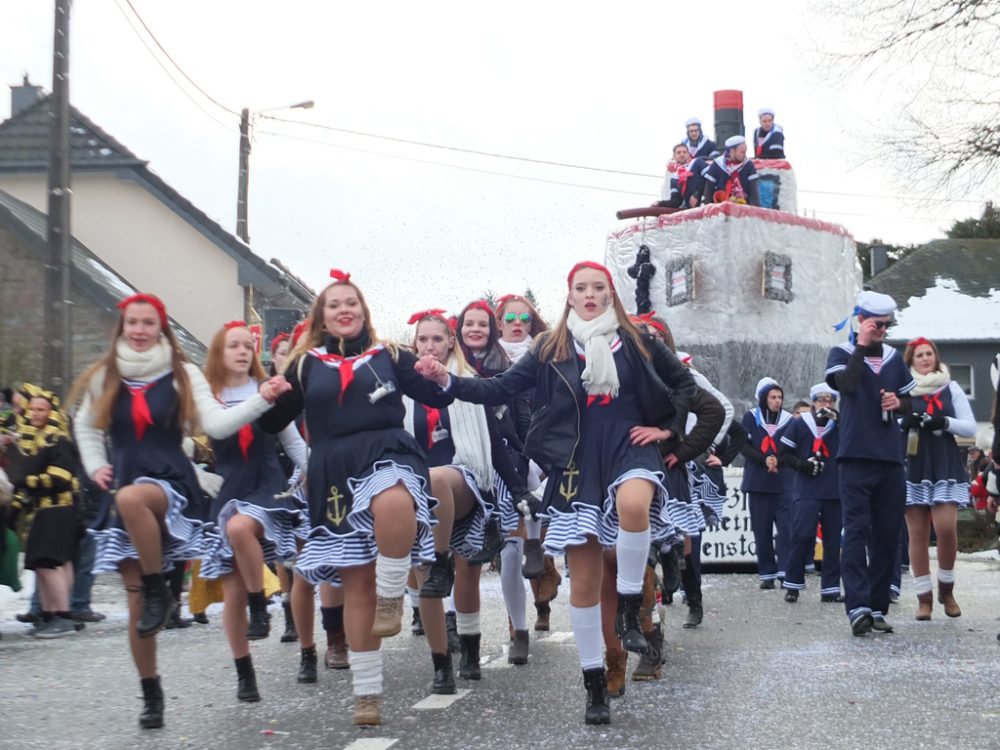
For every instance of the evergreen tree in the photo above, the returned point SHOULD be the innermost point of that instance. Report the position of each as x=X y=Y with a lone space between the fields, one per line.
x=986 y=227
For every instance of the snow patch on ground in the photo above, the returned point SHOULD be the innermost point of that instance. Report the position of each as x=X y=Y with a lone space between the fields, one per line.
x=944 y=312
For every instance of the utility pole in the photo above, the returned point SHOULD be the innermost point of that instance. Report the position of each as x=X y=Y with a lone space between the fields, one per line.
x=243 y=190
x=58 y=341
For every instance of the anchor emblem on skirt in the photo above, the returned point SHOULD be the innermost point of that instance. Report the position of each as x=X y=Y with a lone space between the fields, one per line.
x=568 y=488
x=336 y=512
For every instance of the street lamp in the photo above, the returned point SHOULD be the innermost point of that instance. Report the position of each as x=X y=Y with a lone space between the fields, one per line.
x=242 y=228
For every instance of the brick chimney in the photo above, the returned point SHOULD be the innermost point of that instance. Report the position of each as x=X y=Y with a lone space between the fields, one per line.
x=23 y=96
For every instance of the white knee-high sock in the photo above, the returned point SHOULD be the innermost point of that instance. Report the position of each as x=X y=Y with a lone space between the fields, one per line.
x=467 y=622
x=414 y=595
x=390 y=575
x=632 y=549
x=946 y=576
x=366 y=671
x=922 y=584
x=512 y=582
x=587 y=632
x=533 y=529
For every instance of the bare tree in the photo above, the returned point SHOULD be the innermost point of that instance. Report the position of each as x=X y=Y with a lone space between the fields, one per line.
x=943 y=58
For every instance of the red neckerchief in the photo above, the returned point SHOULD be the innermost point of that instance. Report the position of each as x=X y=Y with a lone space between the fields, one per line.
x=768 y=444
x=346 y=373
x=934 y=403
x=141 y=417
x=682 y=177
x=819 y=446
x=433 y=420
x=246 y=440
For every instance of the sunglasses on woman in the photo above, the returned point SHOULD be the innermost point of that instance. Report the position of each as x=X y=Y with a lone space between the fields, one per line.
x=523 y=317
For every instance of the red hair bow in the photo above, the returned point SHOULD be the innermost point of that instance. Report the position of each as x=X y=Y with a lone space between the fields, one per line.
x=507 y=298
x=149 y=299
x=591 y=265
x=276 y=341
x=235 y=324
x=479 y=304
x=649 y=319
x=300 y=328
x=340 y=276
x=918 y=341
x=434 y=312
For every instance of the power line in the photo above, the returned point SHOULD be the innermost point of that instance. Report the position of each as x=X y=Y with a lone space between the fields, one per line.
x=169 y=75
x=181 y=70
x=450 y=166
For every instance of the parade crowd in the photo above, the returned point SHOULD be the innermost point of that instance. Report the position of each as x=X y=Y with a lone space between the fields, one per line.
x=370 y=473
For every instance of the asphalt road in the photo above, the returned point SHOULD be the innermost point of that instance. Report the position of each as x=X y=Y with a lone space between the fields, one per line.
x=759 y=673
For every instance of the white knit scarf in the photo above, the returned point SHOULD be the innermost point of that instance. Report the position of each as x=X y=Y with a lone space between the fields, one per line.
x=469 y=433
x=932 y=382
x=600 y=376
x=516 y=349
x=144 y=366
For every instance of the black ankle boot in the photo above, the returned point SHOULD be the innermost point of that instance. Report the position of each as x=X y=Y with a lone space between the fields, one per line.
x=246 y=680
x=307 y=665
x=598 y=711
x=627 y=624
x=260 y=621
x=440 y=577
x=157 y=605
x=444 y=675
x=492 y=543
x=451 y=626
x=416 y=624
x=468 y=667
x=152 y=704
x=291 y=634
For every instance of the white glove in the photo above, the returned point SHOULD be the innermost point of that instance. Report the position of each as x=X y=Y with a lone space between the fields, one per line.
x=6 y=489
x=210 y=483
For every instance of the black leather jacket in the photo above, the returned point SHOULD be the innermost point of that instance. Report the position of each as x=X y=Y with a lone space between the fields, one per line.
x=665 y=388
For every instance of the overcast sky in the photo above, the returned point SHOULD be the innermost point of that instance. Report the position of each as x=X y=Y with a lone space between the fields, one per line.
x=554 y=81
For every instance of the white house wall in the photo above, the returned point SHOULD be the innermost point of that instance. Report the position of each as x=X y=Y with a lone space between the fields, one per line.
x=149 y=245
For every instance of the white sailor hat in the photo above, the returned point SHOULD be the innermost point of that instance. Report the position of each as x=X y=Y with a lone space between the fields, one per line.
x=765 y=111
x=870 y=303
x=735 y=140
x=820 y=388
x=693 y=121
x=765 y=384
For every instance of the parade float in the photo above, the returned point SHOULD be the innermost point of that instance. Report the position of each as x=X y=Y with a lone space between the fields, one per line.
x=748 y=291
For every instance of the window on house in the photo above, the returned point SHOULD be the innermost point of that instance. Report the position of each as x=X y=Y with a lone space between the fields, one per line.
x=963 y=375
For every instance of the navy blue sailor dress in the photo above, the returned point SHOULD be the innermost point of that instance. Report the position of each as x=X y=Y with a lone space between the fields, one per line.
x=145 y=435
x=358 y=449
x=254 y=485
x=936 y=474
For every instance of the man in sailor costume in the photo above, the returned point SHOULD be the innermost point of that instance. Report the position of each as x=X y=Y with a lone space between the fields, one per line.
x=769 y=138
x=683 y=183
x=731 y=176
x=873 y=382
x=698 y=144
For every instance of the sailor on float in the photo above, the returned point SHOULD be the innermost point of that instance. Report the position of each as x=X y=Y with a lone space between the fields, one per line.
x=769 y=138
x=732 y=176
x=699 y=145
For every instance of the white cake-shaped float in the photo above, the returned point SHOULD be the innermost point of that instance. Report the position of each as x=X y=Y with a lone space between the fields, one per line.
x=749 y=291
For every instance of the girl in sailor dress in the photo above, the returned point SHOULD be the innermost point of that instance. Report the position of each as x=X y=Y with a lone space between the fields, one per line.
x=255 y=519
x=142 y=395
x=765 y=484
x=464 y=452
x=601 y=386
x=937 y=483
x=519 y=324
x=479 y=338
x=368 y=485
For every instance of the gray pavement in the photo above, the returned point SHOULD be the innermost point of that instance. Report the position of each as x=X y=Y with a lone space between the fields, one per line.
x=759 y=673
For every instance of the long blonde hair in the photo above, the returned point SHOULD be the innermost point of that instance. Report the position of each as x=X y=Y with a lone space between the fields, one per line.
x=215 y=368
x=558 y=346
x=104 y=403
x=461 y=363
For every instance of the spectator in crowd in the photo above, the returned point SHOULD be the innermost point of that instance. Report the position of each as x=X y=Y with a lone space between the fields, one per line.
x=731 y=176
x=769 y=138
x=698 y=144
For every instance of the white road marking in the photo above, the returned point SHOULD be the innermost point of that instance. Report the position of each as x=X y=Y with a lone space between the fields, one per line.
x=560 y=636
x=499 y=662
x=372 y=743
x=441 y=701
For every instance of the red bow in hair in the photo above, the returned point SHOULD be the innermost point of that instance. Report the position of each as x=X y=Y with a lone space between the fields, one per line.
x=591 y=265
x=246 y=440
x=300 y=328
x=433 y=420
x=934 y=403
x=149 y=299
x=453 y=323
x=819 y=446
x=434 y=312
x=478 y=305
x=341 y=276
x=507 y=298
x=649 y=319
x=235 y=324
x=276 y=341
x=141 y=417
x=920 y=340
